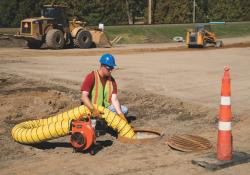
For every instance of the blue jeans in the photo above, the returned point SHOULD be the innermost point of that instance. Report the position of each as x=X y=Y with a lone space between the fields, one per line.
x=123 y=108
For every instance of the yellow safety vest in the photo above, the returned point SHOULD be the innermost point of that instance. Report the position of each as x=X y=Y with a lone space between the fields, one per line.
x=99 y=95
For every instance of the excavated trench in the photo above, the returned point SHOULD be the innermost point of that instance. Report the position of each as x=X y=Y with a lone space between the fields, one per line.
x=22 y=100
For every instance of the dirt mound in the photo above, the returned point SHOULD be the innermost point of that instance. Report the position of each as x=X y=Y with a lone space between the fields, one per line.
x=8 y=42
x=23 y=100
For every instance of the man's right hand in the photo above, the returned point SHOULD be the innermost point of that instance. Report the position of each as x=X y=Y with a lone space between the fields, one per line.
x=95 y=112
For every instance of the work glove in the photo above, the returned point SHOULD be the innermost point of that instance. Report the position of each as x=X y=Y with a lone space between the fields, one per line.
x=95 y=112
x=123 y=117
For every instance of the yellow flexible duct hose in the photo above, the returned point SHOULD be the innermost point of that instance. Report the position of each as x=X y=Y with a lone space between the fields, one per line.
x=116 y=122
x=35 y=131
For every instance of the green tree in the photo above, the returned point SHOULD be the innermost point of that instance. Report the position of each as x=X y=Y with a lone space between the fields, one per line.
x=115 y=12
x=8 y=9
x=245 y=10
x=134 y=9
x=225 y=10
x=27 y=9
x=172 y=11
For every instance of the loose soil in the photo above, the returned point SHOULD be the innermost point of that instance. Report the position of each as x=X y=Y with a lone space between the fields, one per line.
x=31 y=92
x=24 y=99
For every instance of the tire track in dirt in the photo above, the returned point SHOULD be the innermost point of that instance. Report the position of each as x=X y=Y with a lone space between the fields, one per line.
x=16 y=52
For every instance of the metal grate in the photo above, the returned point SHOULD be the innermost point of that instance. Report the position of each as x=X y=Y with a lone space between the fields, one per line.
x=188 y=143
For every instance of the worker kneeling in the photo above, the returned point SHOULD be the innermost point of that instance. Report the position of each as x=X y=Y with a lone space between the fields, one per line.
x=100 y=88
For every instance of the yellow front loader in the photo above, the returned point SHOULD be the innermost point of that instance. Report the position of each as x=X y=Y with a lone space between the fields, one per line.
x=54 y=29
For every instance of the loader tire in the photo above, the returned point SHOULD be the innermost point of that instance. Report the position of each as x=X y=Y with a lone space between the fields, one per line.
x=204 y=44
x=34 y=44
x=83 y=40
x=218 y=44
x=55 y=39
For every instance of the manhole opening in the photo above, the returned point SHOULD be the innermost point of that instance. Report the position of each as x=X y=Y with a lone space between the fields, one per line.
x=147 y=134
x=143 y=136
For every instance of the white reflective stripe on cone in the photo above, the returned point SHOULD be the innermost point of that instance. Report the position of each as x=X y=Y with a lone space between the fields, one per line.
x=225 y=126
x=225 y=100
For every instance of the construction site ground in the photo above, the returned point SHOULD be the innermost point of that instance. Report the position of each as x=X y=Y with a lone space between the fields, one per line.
x=165 y=86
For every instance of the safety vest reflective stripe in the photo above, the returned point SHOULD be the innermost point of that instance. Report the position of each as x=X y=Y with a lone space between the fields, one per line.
x=96 y=86
x=225 y=100
x=225 y=126
x=109 y=90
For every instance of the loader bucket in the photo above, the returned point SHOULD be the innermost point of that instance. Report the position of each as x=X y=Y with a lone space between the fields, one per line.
x=100 y=39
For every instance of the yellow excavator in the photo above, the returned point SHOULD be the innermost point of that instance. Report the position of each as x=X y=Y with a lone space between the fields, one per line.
x=201 y=35
x=54 y=29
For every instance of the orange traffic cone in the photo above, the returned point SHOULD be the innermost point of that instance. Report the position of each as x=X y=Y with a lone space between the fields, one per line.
x=224 y=142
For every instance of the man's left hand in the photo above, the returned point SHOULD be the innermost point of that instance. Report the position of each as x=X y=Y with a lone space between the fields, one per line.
x=123 y=117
